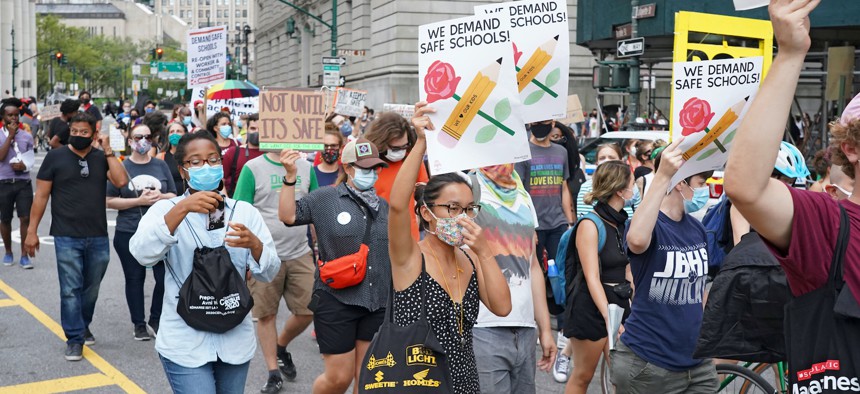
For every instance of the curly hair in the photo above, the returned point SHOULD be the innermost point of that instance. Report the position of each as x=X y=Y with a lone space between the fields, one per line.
x=839 y=134
x=821 y=162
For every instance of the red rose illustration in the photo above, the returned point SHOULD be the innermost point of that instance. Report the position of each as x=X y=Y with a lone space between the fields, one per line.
x=517 y=54
x=695 y=116
x=440 y=82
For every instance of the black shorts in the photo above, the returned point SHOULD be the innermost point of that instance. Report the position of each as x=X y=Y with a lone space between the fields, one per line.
x=584 y=320
x=339 y=326
x=16 y=195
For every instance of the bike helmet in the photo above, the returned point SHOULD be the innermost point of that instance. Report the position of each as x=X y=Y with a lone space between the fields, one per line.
x=790 y=162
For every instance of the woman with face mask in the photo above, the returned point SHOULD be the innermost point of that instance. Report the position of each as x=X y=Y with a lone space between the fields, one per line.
x=437 y=274
x=175 y=131
x=149 y=182
x=351 y=224
x=327 y=164
x=221 y=128
x=393 y=136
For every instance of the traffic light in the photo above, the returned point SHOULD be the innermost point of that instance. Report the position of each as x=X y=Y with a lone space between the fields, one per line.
x=611 y=76
x=152 y=54
x=60 y=57
x=159 y=52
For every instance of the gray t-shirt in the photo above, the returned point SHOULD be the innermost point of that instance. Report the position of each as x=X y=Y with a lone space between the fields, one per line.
x=544 y=176
x=154 y=175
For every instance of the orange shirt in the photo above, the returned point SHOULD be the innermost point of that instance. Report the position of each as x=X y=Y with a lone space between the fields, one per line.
x=386 y=182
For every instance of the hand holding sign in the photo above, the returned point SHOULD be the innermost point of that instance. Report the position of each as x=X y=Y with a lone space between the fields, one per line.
x=790 y=20
x=420 y=120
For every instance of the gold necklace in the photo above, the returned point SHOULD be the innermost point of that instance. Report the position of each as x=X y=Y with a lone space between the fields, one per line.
x=445 y=280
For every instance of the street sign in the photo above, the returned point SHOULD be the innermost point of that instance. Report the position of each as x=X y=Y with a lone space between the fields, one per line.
x=153 y=68
x=623 y=31
x=331 y=75
x=631 y=47
x=146 y=84
x=171 y=70
x=645 y=11
x=340 y=61
x=135 y=85
x=351 y=52
x=153 y=63
x=135 y=69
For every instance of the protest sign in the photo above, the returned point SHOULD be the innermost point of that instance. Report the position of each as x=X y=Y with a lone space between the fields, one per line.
x=741 y=5
x=292 y=119
x=117 y=141
x=478 y=122
x=574 y=110
x=711 y=99
x=404 y=110
x=207 y=56
x=540 y=39
x=237 y=106
x=49 y=112
x=689 y=27
x=349 y=102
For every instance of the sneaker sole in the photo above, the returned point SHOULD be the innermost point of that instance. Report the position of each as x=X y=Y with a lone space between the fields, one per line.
x=74 y=358
x=89 y=343
x=142 y=339
x=27 y=267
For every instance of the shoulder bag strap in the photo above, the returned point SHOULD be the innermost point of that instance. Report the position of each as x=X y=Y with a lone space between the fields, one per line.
x=367 y=214
x=836 y=265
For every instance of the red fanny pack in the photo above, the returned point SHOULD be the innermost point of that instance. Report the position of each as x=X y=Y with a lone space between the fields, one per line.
x=347 y=271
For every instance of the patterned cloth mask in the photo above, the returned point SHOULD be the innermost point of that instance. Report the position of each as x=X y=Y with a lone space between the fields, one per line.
x=447 y=229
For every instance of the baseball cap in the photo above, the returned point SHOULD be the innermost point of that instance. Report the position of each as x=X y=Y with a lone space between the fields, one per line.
x=851 y=112
x=361 y=153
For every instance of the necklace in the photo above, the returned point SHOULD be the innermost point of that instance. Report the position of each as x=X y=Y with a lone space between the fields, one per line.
x=445 y=280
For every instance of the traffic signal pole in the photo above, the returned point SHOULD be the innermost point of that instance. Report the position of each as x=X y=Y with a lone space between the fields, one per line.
x=332 y=26
x=633 y=109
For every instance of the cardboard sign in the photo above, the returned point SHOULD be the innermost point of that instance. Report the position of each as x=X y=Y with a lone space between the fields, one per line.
x=840 y=73
x=207 y=56
x=237 y=106
x=117 y=141
x=291 y=119
x=741 y=5
x=349 y=102
x=540 y=39
x=404 y=110
x=466 y=73
x=49 y=112
x=574 y=110
x=711 y=99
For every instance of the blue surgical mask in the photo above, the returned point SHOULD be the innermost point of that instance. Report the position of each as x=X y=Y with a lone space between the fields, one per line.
x=239 y=124
x=148 y=110
x=633 y=199
x=226 y=131
x=700 y=198
x=364 y=179
x=186 y=121
x=205 y=178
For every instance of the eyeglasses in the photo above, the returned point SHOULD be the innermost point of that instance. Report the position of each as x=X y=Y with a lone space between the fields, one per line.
x=401 y=147
x=331 y=147
x=212 y=161
x=85 y=168
x=139 y=137
x=454 y=210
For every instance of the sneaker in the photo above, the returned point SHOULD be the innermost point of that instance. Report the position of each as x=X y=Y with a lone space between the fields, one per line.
x=74 y=352
x=561 y=367
x=154 y=326
x=141 y=333
x=285 y=364
x=273 y=385
x=25 y=263
x=89 y=339
x=9 y=259
x=561 y=341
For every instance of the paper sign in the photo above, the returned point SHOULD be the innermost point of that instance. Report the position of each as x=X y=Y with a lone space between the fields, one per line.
x=540 y=39
x=292 y=119
x=207 y=56
x=117 y=141
x=741 y=5
x=711 y=99
x=237 y=106
x=404 y=110
x=49 y=112
x=574 y=110
x=349 y=102
x=466 y=74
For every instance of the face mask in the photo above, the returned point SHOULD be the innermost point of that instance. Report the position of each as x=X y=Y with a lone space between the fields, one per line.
x=148 y=110
x=364 y=179
x=206 y=178
x=254 y=138
x=330 y=156
x=80 y=143
x=126 y=109
x=395 y=155
x=700 y=198
x=540 y=131
x=174 y=139
x=633 y=199
x=226 y=131
x=142 y=146
x=239 y=124
x=448 y=230
x=186 y=121
x=85 y=101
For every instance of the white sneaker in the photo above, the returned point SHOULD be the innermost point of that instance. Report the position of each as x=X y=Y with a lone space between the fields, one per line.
x=561 y=341
x=561 y=368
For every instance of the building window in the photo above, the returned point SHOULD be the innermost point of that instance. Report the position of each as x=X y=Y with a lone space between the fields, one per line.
x=220 y=14
x=244 y=13
x=238 y=14
x=199 y=13
x=182 y=14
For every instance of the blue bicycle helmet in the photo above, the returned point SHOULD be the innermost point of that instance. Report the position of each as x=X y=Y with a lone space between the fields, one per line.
x=790 y=162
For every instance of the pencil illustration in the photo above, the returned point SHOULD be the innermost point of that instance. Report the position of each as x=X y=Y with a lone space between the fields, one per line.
x=469 y=104
x=538 y=60
x=719 y=128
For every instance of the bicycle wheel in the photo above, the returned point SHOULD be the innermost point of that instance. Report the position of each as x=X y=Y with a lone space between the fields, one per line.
x=771 y=373
x=740 y=380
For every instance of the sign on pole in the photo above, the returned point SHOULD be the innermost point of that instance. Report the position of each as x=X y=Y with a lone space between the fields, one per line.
x=207 y=56
x=645 y=11
x=292 y=119
x=135 y=69
x=631 y=47
x=331 y=75
x=135 y=85
x=340 y=61
x=349 y=102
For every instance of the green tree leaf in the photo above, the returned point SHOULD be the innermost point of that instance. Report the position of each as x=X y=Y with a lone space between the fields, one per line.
x=534 y=97
x=707 y=154
x=502 y=110
x=486 y=134
x=553 y=77
x=730 y=137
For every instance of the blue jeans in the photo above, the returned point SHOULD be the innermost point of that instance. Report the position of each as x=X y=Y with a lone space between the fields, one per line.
x=214 y=377
x=81 y=265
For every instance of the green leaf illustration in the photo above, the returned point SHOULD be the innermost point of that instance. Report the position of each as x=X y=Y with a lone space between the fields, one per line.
x=730 y=137
x=502 y=110
x=486 y=134
x=707 y=154
x=553 y=77
x=534 y=97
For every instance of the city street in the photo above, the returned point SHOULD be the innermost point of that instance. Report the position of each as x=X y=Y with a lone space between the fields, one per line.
x=32 y=341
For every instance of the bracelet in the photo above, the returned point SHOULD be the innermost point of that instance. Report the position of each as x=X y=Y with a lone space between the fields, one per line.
x=287 y=183
x=111 y=154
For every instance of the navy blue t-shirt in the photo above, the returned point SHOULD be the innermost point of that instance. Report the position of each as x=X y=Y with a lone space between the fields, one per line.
x=670 y=277
x=325 y=178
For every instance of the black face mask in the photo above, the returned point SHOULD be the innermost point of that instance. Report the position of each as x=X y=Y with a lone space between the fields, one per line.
x=254 y=138
x=85 y=101
x=540 y=130
x=80 y=143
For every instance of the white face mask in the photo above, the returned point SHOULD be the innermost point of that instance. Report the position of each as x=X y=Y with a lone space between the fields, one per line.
x=395 y=155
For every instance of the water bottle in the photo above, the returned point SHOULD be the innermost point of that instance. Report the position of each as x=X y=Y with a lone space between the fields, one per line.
x=555 y=282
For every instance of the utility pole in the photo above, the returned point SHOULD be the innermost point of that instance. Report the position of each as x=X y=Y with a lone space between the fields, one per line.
x=246 y=31
x=633 y=109
x=14 y=62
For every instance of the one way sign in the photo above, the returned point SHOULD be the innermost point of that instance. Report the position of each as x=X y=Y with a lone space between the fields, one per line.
x=631 y=47
x=340 y=61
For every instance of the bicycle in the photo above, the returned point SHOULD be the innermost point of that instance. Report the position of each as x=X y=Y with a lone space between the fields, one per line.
x=753 y=378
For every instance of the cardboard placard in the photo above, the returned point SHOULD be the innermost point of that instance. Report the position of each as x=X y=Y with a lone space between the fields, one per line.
x=404 y=110
x=49 y=112
x=349 y=102
x=292 y=119
x=574 y=110
x=117 y=141
x=207 y=56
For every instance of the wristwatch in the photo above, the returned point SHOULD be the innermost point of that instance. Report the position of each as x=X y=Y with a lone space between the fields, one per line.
x=287 y=183
x=111 y=154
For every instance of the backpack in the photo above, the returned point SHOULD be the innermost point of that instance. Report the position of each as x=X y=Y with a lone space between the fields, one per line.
x=718 y=228
x=567 y=257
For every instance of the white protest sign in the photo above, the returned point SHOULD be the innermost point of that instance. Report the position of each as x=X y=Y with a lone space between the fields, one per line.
x=349 y=102
x=741 y=5
x=237 y=106
x=404 y=110
x=465 y=72
x=540 y=37
x=117 y=141
x=710 y=100
x=207 y=56
x=49 y=112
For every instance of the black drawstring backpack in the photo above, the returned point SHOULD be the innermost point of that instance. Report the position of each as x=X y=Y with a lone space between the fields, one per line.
x=214 y=297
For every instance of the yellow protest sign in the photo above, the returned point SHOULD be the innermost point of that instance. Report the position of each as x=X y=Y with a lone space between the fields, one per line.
x=292 y=119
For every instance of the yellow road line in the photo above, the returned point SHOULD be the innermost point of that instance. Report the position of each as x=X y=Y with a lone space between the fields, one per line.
x=7 y=302
x=103 y=366
x=61 y=385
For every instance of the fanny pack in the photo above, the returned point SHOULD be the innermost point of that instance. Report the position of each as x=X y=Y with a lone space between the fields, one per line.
x=623 y=290
x=347 y=271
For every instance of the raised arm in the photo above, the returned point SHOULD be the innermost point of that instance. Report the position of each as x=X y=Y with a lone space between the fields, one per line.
x=287 y=204
x=645 y=218
x=766 y=203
